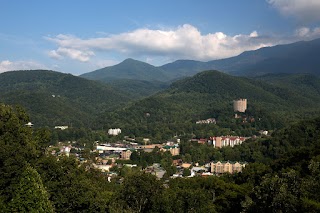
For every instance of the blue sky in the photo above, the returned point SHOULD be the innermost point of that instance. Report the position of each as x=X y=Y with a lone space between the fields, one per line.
x=78 y=36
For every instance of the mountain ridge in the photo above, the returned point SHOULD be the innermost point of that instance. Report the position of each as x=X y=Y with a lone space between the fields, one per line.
x=297 y=57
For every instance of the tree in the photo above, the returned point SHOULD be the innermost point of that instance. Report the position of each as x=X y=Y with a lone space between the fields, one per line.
x=30 y=194
x=17 y=148
x=139 y=192
x=276 y=194
x=186 y=172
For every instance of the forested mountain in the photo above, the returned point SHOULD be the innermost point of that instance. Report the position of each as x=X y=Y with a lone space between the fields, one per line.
x=128 y=69
x=210 y=94
x=299 y=57
x=54 y=98
x=305 y=84
x=138 y=89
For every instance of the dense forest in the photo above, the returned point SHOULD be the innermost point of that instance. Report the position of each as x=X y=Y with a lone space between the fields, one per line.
x=282 y=176
x=152 y=110
x=53 y=98
x=274 y=101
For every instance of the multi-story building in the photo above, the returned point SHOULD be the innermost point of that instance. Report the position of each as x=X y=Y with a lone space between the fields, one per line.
x=221 y=167
x=125 y=155
x=174 y=150
x=222 y=141
x=114 y=132
x=240 y=105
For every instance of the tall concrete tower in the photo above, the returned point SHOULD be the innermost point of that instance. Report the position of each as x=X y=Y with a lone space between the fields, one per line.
x=240 y=105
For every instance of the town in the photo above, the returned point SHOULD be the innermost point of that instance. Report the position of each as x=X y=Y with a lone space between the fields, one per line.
x=110 y=157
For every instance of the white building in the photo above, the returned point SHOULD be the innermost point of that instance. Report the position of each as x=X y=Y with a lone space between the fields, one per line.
x=227 y=141
x=61 y=127
x=114 y=132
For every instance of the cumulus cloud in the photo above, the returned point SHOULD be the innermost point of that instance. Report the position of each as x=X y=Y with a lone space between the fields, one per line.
x=183 y=42
x=80 y=55
x=19 y=65
x=307 y=33
x=304 y=10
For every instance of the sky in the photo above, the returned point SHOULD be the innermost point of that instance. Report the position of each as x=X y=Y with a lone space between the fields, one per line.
x=79 y=36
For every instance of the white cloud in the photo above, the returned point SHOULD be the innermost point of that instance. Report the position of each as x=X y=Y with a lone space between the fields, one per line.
x=183 y=42
x=254 y=34
x=20 y=65
x=76 y=54
x=305 y=10
x=307 y=33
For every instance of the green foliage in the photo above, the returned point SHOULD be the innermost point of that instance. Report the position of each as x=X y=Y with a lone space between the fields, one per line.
x=138 y=88
x=72 y=188
x=276 y=194
x=186 y=172
x=54 y=98
x=17 y=148
x=138 y=192
x=210 y=94
x=30 y=194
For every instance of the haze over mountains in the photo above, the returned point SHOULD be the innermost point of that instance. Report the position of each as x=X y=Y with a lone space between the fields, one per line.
x=299 y=57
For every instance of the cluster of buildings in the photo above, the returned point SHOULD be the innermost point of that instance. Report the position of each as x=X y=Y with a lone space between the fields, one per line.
x=124 y=151
x=213 y=168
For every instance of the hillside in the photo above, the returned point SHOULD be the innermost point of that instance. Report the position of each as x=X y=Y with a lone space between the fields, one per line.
x=54 y=98
x=210 y=94
x=128 y=69
x=138 y=89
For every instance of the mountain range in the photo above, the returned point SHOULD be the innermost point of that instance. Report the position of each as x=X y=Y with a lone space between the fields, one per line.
x=299 y=57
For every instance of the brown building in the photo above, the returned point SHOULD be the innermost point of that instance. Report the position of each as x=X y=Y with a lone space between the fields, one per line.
x=240 y=105
x=125 y=155
x=221 y=167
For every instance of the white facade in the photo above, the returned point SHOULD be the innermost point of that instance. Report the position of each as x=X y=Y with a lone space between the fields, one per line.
x=61 y=127
x=114 y=132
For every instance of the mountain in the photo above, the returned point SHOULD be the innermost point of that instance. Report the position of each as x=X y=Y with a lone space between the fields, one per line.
x=53 y=98
x=210 y=94
x=299 y=57
x=128 y=69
